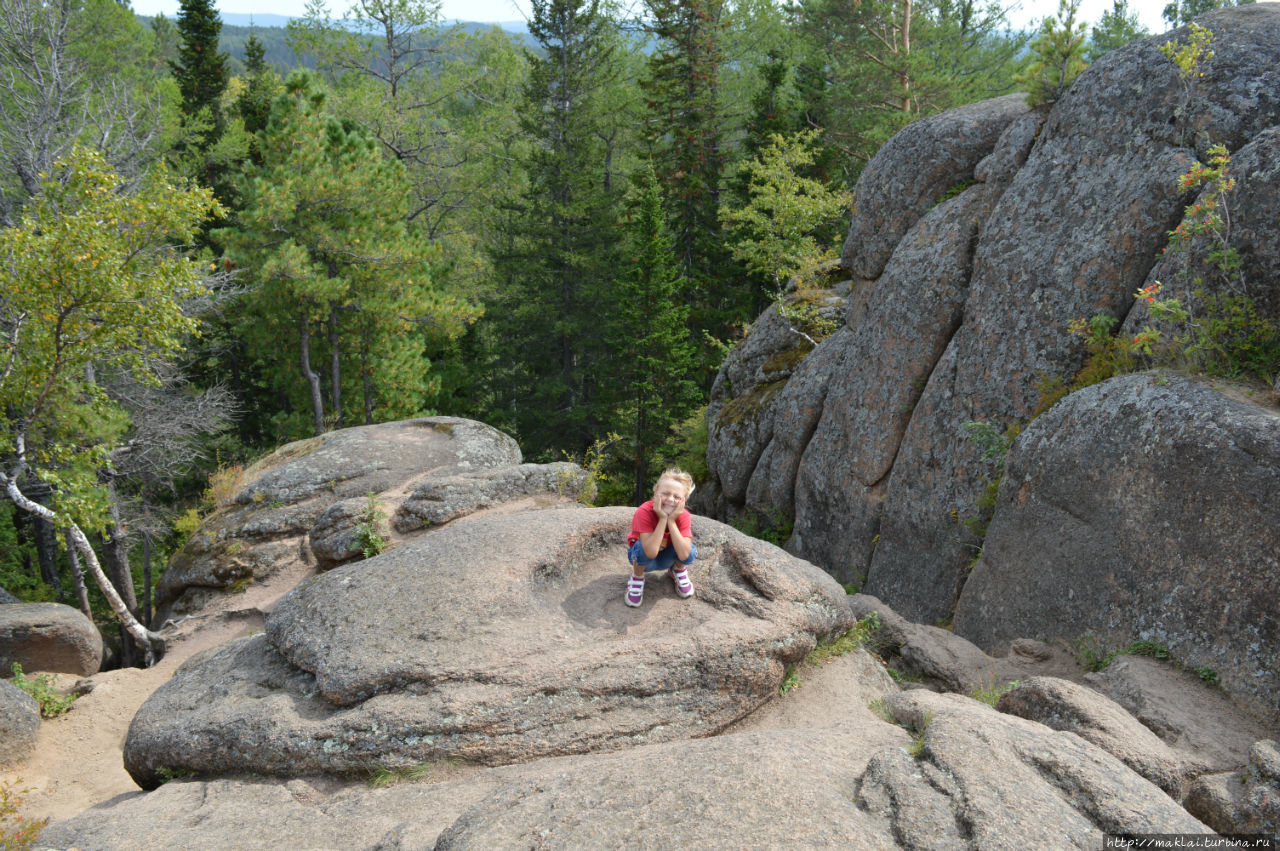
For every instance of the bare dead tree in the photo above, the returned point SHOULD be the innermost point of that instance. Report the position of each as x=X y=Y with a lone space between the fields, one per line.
x=50 y=98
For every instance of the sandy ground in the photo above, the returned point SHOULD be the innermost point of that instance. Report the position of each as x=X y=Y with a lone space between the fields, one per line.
x=78 y=760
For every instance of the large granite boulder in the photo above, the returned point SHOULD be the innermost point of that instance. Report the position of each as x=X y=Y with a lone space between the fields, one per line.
x=949 y=772
x=502 y=640
x=913 y=170
x=1242 y=802
x=1187 y=713
x=1107 y=522
x=1074 y=708
x=306 y=501
x=48 y=637
x=19 y=724
x=864 y=445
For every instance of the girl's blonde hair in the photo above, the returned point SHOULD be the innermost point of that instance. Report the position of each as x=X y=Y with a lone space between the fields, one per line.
x=675 y=474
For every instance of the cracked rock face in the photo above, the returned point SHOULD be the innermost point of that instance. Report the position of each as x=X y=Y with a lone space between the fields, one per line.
x=987 y=780
x=966 y=301
x=305 y=501
x=1092 y=490
x=951 y=773
x=502 y=640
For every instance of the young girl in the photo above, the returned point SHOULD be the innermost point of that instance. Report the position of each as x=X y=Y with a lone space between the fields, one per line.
x=661 y=535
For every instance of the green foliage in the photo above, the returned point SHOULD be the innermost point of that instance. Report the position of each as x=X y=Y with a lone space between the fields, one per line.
x=382 y=777
x=862 y=634
x=688 y=447
x=775 y=528
x=550 y=354
x=871 y=67
x=1220 y=331
x=1107 y=356
x=1180 y=12
x=994 y=445
x=685 y=122
x=1207 y=675
x=92 y=283
x=1090 y=652
x=368 y=536
x=773 y=234
x=336 y=274
x=52 y=702
x=17 y=833
x=652 y=358
x=790 y=681
x=992 y=694
x=166 y=774
x=1117 y=27
x=1058 y=56
x=919 y=744
x=200 y=69
x=881 y=711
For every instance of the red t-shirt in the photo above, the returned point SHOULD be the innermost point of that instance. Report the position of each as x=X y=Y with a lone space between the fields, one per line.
x=646 y=520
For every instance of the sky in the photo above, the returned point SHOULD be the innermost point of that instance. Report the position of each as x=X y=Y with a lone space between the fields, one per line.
x=1029 y=13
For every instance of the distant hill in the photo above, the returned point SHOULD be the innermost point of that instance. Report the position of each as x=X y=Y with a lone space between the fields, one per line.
x=272 y=31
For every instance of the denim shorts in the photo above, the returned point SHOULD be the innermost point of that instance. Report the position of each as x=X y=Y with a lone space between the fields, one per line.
x=665 y=558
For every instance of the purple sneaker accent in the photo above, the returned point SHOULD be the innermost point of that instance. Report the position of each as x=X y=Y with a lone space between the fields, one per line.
x=684 y=585
x=635 y=591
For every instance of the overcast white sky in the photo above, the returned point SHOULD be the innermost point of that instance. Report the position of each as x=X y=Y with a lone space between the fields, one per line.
x=1031 y=11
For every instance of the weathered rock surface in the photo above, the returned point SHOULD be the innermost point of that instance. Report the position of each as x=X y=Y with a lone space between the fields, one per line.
x=943 y=661
x=304 y=501
x=441 y=499
x=19 y=724
x=867 y=449
x=503 y=640
x=48 y=637
x=980 y=779
x=1074 y=708
x=6 y=597
x=913 y=170
x=987 y=780
x=1185 y=712
x=1246 y=801
x=1107 y=523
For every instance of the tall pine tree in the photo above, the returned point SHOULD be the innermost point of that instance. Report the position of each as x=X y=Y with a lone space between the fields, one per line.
x=560 y=259
x=652 y=358
x=342 y=291
x=685 y=128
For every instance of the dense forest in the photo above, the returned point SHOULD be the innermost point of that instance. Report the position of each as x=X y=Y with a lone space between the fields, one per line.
x=381 y=216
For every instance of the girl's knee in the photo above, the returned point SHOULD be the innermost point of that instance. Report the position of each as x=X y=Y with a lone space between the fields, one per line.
x=693 y=553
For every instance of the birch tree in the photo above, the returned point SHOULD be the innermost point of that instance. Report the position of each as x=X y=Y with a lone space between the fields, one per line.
x=92 y=281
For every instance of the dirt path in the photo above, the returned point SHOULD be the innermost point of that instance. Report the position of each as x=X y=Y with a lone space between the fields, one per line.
x=78 y=760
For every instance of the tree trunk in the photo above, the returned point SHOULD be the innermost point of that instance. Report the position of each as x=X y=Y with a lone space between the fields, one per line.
x=146 y=579
x=313 y=380
x=116 y=555
x=47 y=554
x=905 y=77
x=366 y=382
x=77 y=576
x=153 y=643
x=335 y=368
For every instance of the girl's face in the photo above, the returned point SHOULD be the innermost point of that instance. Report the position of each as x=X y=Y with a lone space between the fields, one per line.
x=669 y=495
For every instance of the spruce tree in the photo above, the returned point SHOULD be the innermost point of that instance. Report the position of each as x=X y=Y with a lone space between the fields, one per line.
x=200 y=69
x=254 y=102
x=685 y=128
x=559 y=260
x=652 y=358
